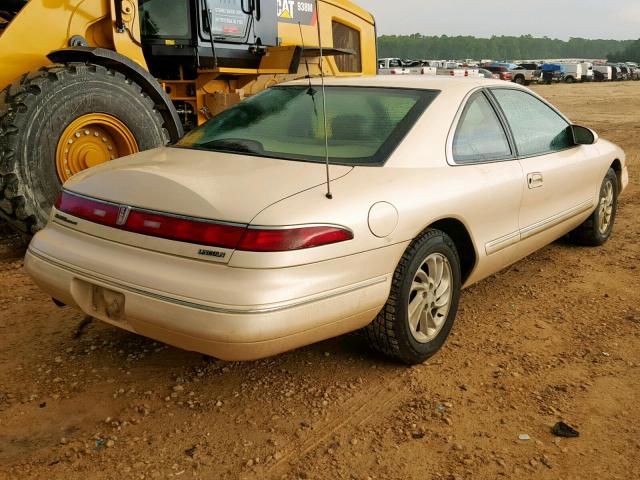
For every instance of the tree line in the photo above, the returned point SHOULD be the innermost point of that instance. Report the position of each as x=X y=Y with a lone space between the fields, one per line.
x=419 y=46
x=630 y=54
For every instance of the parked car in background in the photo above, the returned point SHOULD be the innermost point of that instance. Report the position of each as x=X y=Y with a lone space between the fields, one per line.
x=624 y=72
x=235 y=249
x=502 y=71
x=573 y=72
x=552 y=72
x=616 y=73
x=396 y=66
x=526 y=73
x=391 y=66
x=602 y=73
x=587 y=72
x=634 y=73
x=488 y=74
x=460 y=72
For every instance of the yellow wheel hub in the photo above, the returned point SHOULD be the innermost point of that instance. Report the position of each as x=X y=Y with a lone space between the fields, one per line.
x=90 y=140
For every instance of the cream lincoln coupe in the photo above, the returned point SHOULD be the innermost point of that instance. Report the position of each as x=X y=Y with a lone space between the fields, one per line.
x=228 y=243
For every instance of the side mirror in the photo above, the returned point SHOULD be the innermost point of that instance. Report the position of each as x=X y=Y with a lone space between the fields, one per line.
x=583 y=135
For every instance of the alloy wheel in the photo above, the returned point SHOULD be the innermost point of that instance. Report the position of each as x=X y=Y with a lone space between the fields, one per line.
x=430 y=298
x=606 y=207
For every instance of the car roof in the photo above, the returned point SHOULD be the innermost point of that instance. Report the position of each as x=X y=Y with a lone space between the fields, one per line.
x=420 y=82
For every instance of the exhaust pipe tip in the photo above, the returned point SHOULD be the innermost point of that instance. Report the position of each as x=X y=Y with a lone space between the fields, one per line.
x=58 y=303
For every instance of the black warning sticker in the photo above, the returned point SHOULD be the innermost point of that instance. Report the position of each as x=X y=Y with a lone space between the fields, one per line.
x=297 y=11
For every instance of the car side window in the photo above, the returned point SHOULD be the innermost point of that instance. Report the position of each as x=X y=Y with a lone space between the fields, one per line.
x=480 y=136
x=537 y=129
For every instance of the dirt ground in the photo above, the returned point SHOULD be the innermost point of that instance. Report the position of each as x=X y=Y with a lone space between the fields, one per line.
x=555 y=337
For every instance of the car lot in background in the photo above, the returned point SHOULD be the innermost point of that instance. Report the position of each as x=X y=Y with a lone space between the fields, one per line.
x=526 y=73
x=488 y=74
x=234 y=250
x=521 y=72
x=502 y=71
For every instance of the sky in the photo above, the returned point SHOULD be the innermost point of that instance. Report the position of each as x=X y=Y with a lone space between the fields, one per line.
x=607 y=19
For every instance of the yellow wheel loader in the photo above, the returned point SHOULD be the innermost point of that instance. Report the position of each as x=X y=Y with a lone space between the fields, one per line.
x=87 y=81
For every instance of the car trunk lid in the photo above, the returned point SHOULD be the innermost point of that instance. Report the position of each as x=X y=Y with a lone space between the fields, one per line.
x=208 y=186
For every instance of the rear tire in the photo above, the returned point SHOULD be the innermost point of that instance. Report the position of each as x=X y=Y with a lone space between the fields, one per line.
x=34 y=113
x=416 y=282
x=570 y=80
x=519 y=80
x=597 y=229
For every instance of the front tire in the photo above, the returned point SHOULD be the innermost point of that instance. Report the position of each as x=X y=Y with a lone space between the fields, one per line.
x=597 y=229
x=423 y=303
x=60 y=120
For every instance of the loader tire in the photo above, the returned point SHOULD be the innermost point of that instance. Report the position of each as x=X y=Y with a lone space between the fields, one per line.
x=40 y=108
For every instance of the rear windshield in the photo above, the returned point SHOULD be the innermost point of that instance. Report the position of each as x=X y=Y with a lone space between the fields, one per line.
x=364 y=125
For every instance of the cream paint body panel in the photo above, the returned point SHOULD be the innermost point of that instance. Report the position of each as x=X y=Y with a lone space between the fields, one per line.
x=422 y=197
x=201 y=184
x=242 y=335
x=565 y=189
x=205 y=283
x=568 y=194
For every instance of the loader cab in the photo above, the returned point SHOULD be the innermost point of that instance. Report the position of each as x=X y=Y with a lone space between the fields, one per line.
x=179 y=33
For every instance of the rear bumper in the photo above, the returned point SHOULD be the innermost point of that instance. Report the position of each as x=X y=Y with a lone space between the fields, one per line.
x=242 y=331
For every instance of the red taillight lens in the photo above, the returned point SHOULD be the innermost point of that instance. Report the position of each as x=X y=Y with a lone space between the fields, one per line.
x=184 y=230
x=201 y=232
x=295 y=238
x=170 y=227
x=92 y=210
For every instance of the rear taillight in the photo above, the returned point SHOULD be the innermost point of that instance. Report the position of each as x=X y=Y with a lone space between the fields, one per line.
x=199 y=231
x=92 y=210
x=184 y=229
x=292 y=238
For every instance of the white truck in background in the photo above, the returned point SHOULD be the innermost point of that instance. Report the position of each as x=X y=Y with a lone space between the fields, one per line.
x=391 y=66
x=578 y=72
x=460 y=72
x=603 y=73
x=395 y=66
x=573 y=72
x=587 y=72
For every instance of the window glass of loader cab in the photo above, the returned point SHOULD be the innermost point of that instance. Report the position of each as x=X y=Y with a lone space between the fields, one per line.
x=364 y=125
x=162 y=19
x=347 y=38
x=480 y=136
x=537 y=128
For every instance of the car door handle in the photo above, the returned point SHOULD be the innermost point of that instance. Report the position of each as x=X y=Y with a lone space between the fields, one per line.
x=535 y=180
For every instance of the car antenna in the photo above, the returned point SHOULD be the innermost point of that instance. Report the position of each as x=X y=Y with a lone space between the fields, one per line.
x=329 y=195
x=311 y=92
